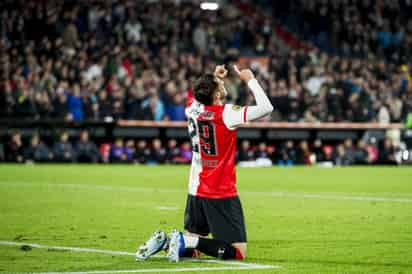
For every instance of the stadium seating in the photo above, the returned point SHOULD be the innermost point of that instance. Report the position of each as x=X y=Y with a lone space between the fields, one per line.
x=122 y=60
x=86 y=66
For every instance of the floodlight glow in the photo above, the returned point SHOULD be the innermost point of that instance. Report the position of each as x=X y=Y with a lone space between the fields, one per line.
x=209 y=6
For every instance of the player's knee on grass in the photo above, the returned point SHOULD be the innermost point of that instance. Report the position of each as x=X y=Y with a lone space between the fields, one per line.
x=190 y=253
x=216 y=248
x=220 y=249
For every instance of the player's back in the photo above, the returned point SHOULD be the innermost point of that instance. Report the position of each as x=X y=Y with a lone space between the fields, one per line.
x=214 y=147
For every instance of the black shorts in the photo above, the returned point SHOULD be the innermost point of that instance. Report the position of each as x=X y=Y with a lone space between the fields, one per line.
x=221 y=217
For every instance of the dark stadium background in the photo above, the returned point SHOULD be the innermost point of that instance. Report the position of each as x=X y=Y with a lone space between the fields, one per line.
x=338 y=73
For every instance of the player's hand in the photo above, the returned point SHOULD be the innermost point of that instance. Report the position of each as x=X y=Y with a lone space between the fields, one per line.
x=244 y=74
x=220 y=71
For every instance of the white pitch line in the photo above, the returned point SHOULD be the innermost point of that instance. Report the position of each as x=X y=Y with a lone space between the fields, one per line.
x=280 y=194
x=167 y=208
x=229 y=265
x=68 y=248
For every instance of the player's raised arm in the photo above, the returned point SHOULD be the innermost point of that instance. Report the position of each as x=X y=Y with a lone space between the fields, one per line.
x=263 y=106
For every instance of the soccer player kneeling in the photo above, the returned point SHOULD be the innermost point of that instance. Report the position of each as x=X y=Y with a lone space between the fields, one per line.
x=213 y=205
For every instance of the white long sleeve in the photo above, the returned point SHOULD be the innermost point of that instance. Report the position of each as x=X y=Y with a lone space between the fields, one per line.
x=263 y=105
x=234 y=116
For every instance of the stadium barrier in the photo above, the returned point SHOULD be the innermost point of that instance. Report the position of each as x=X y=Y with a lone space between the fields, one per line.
x=265 y=131
x=272 y=133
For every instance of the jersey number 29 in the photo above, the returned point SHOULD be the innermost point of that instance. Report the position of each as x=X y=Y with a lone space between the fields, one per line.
x=203 y=136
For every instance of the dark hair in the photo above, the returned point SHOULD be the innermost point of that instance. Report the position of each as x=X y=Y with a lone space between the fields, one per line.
x=205 y=88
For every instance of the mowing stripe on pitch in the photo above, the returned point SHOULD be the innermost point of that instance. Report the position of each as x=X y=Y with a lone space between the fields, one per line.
x=328 y=196
x=279 y=194
x=229 y=265
x=157 y=270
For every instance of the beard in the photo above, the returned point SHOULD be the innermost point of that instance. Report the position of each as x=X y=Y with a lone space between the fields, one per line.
x=223 y=94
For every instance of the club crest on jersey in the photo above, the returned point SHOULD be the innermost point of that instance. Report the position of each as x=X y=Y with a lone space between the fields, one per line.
x=236 y=107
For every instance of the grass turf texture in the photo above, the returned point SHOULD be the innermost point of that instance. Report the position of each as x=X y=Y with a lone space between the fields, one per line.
x=117 y=207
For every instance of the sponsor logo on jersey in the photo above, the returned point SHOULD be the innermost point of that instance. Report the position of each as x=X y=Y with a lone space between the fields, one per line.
x=207 y=115
x=210 y=163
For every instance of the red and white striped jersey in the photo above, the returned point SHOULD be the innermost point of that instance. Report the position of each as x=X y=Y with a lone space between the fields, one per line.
x=212 y=173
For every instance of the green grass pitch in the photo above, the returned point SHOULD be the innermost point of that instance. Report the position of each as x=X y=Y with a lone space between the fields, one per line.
x=306 y=220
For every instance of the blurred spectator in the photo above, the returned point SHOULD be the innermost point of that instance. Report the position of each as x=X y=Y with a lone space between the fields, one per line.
x=303 y=154
x=105 y=107
x=384 y=115
x=63 y=149
x=60 y=107
x=176 y=110
x=104 y=151
x=86 y=150
x=133 y=105
x=142 y=152
x=349 y=156
x=345 y=154
x=361 y=154
x=245 y=153
x=2 y=154
x=262 y=156
x=329 y=152
x=186 y=153
x=262 y=152
x=158 y=153
x=387 y=153
x=339 y=156
x=130 y=150
x=200 y=37
x=91 y=109
x=15 y=150
x=173 y=152
x=373 y=152
x=133 y=30
x=25 y=107
x=318 y=151
x=42 y=105
x=153 y=109
x=70 y=36
x=37 y=151
x=118 y=152
x=75 y=104
x=7 y=101
x=288 y=154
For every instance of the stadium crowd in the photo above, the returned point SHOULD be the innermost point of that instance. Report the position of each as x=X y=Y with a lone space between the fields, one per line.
x=97 y=60
x=364 y=28
x=289 y=153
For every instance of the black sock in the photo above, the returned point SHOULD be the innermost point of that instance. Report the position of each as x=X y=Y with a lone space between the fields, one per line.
x=216 y=248
x=188 y=253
